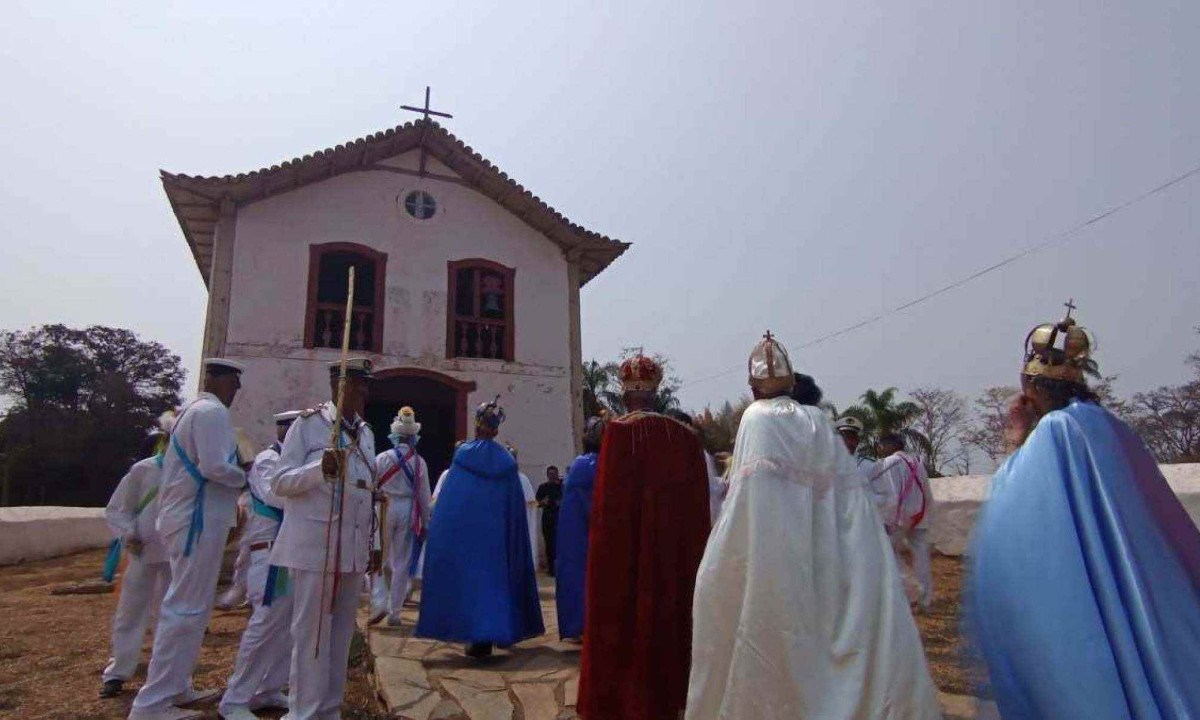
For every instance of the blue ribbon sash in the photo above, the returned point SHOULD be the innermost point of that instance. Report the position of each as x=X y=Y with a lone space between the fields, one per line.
x=197 y=524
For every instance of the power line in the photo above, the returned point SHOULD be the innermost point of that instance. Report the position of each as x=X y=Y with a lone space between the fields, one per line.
x=1037 y=247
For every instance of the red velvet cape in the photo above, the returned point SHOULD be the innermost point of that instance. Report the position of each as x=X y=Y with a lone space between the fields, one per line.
x=649 y=526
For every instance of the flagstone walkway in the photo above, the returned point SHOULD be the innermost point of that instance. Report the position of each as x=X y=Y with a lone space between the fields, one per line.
x=535 y=680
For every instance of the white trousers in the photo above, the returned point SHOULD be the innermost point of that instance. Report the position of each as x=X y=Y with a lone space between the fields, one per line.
x=264 y=656
x=389 y=589
x=919 y=548
x=183 y=618
x=318 y=672
x=142 y=589
x=241 y=569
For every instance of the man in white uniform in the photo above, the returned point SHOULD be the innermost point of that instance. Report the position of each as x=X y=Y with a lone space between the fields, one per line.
x=906 y=516
x=798 y=611
x=326 y=538
x=264 y=657
x=202 y=479
x=131 y=514
x=404 y=479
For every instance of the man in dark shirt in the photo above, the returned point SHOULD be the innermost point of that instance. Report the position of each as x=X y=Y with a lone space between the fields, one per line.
x=549 y=497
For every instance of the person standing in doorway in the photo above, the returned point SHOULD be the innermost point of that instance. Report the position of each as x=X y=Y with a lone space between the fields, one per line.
x=549 y=498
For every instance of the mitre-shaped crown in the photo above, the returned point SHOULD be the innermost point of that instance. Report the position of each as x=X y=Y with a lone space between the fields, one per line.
x=640 y=374
x=1059 y=351
x=770 y=368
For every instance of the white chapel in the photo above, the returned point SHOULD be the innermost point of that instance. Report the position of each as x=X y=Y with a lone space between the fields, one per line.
x=467 y=287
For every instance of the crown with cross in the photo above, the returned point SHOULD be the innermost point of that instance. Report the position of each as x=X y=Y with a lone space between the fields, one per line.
x=770 y=367
x=1059 y=351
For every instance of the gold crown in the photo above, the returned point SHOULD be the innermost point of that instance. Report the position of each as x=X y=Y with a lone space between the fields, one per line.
x=1059 y=351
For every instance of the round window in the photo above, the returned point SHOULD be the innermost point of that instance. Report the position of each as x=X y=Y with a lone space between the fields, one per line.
x=420 y=204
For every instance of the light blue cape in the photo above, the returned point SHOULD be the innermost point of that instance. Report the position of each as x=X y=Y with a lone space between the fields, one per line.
x=1085 y=592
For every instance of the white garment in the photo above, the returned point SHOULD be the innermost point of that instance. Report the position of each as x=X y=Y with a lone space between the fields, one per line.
x=901 y=478
x=317 y=680
x=389 y=593
x=531 y=515
x=310 y=513
x=798 y=609
x=441 y=483
x=318 y=672
x=122 y=514
x=260 y=527
x=909 y=495
x=142 y=588
x=264 y=656
x=183 y=618
x=717 y=488
x=205 y=434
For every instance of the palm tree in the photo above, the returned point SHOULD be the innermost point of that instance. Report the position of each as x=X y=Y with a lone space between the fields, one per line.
x=598 y=391
x=881 y=415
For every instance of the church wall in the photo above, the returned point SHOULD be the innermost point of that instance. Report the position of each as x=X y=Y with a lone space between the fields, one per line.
x=270 y=283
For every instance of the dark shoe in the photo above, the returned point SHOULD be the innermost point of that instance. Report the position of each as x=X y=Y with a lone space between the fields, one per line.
x=111 y=688
x=479 y=651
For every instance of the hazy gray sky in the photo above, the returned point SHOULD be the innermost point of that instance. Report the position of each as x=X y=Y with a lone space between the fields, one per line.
x=797 y=166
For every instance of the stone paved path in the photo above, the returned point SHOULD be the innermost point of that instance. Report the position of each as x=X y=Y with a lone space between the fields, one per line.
x=535 y=680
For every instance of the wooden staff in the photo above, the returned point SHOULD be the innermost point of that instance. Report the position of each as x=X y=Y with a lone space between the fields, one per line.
x=339 y=489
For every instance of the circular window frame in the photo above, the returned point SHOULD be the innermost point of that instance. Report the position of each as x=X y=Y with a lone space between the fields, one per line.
x=427 y=199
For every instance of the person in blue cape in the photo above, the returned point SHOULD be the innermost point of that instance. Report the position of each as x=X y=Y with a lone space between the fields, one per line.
x=479 y=585
x=1084 y=598
x=570 y=565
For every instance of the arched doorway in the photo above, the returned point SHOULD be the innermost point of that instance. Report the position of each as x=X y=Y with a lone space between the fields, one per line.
x=440 y=402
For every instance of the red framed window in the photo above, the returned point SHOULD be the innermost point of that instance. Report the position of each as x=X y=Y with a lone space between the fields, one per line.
x=328 y=268
x=480 y=320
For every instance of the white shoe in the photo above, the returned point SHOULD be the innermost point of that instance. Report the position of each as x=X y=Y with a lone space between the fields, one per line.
x=167 y=713
x=237 y=712
x=192 y=696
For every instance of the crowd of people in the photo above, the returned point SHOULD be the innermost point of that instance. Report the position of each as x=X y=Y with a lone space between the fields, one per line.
x=773 y=589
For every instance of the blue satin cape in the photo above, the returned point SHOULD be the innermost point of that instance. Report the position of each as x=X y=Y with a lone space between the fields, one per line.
x=478 y=582
x=570 y=564
x=1085 y=594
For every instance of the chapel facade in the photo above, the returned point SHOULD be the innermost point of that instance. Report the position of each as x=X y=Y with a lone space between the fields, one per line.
x=467 y=287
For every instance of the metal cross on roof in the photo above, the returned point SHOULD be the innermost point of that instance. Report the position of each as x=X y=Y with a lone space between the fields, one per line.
x=425 y=111
x=1070 y=306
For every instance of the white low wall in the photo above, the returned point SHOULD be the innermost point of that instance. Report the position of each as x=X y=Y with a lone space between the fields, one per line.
x=37 y=533
x=959 y=499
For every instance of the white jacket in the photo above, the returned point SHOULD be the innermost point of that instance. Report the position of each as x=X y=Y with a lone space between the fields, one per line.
x=398 y=487
x=901 y=479
x=205 y=434
x=259 y=527
x=121 y=513
x=308 y=498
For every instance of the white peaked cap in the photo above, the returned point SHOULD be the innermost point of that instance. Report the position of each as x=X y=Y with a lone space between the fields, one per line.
x=286 y=417
x=215 y=362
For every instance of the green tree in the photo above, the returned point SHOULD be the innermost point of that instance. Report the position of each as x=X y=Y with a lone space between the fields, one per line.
x=882 y=414
x=80 y=405
x=599 y=381
x=719 y=429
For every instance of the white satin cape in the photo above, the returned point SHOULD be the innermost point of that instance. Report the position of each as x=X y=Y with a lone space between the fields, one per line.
x=799 y=611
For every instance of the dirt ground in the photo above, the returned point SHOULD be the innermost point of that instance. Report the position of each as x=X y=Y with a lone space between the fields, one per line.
x=53 y=647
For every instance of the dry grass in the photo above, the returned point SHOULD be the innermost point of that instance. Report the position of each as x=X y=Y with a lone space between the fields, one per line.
x=941 y=632
x=53 y=648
